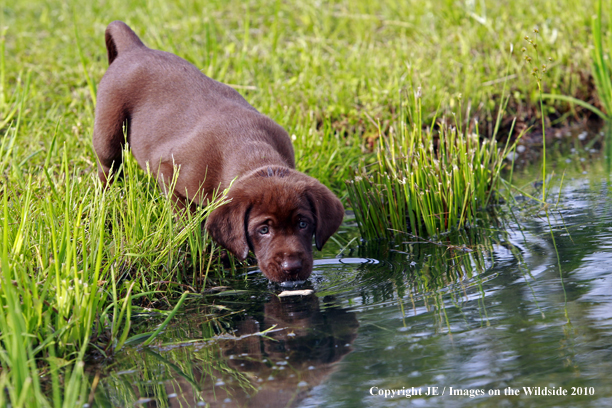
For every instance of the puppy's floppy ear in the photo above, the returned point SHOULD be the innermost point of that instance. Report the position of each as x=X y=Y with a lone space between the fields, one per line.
x=226 y=225
x=328 y=212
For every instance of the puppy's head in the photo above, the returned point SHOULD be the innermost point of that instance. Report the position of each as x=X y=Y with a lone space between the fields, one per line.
x=275 y=212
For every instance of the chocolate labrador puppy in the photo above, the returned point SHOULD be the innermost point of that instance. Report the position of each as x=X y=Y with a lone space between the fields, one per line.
x=177 y=116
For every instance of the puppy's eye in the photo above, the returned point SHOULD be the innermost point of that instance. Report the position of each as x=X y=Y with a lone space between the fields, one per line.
x=303 y=224
x=264 y=230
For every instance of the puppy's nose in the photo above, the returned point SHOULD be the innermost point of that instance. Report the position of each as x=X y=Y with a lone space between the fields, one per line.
x=292 y=266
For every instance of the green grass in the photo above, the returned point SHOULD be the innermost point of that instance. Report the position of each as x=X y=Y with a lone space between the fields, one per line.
x=74 y=258
x=77 y=258
x=426 y=181
x=318 y=70
x=602 y=67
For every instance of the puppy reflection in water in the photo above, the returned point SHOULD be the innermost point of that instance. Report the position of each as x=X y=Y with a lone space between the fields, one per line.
x=280 y=368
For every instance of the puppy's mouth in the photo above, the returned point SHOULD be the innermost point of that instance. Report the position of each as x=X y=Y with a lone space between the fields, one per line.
x=287 y=280
x=276 y=273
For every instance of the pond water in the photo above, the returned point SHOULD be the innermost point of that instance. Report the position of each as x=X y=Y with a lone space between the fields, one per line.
x=513 y=314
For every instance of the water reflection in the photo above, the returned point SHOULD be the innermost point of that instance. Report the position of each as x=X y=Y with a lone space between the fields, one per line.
x=538 y=316
x=270 y=356
x=523 y=304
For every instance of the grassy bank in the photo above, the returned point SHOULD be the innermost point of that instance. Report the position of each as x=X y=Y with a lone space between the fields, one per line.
x=75 y=257
x=328 y=72
x=77 y=260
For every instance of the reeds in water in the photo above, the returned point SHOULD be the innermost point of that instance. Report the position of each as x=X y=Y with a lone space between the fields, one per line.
x=425 y=181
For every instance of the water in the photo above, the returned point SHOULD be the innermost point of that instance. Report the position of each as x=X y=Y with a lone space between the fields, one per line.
x=472 y=320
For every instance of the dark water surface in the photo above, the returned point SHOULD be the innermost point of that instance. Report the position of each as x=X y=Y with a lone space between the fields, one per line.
x=508 y=307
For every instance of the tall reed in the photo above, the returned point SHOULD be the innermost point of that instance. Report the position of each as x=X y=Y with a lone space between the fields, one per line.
x=601 y=64
x=425 y=181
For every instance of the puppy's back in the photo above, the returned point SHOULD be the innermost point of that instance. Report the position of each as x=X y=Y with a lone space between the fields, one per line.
x=177 y=115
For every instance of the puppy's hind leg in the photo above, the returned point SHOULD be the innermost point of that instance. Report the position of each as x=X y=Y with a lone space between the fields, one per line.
x=108 y=136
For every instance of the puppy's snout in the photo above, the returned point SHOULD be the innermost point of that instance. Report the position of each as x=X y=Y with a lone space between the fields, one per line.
x=292 y=266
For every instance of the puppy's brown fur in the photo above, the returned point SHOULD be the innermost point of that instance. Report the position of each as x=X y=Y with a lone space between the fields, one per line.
x=177 y=116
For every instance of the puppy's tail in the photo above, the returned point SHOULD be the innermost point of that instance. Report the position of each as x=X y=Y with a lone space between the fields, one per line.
x=119 y=38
